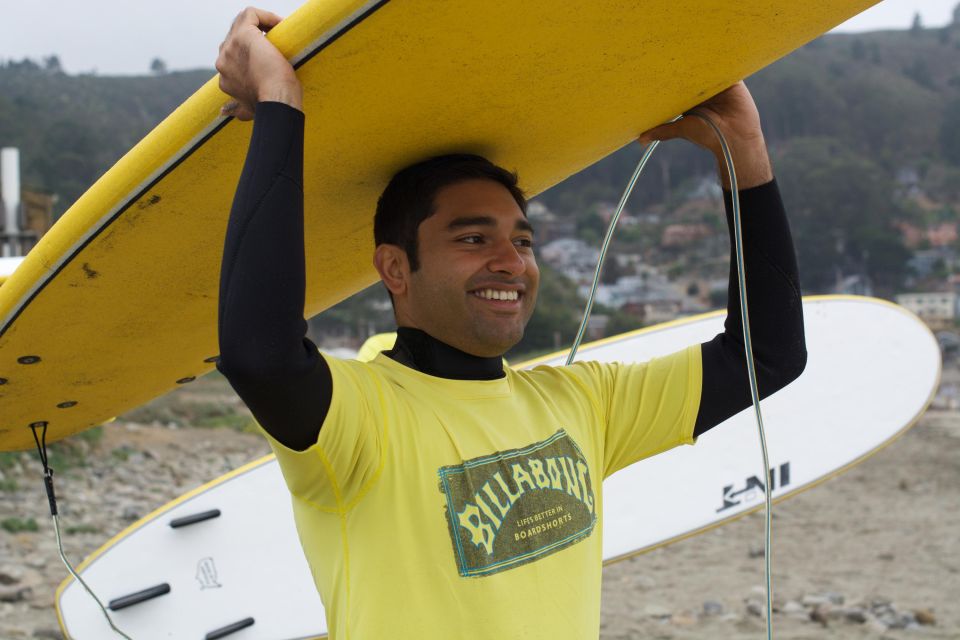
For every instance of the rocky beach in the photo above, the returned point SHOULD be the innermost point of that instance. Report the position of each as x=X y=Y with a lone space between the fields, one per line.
x=873 y=553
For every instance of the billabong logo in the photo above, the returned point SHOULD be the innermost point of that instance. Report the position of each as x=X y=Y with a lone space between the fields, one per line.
x=207 y=574
x=754 y=487
x=512 y=507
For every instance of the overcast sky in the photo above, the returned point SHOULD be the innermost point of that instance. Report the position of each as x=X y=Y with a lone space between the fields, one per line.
x=123 y=37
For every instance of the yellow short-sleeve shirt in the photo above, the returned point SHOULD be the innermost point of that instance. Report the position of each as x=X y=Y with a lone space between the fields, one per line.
x=436 y=508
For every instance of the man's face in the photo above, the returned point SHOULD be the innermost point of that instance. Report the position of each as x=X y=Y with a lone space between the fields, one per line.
x=477 y=282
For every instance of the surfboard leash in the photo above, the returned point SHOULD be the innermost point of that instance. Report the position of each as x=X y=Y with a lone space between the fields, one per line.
x=41 y=441
x=607 y=238
x=744 y=317
x=751 y=365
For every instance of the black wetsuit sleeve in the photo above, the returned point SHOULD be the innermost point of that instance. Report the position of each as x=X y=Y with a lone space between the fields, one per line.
x=264 y=351
x=774 y=306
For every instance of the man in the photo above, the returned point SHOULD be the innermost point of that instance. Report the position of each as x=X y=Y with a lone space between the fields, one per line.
x=436 y=493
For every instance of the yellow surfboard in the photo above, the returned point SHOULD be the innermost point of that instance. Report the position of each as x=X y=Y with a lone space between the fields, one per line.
x=118 y=302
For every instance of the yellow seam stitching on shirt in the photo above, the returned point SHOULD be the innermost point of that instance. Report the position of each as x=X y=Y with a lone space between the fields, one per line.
x=383 y=448
x=596 y=407
x=328 y=468
x=346 y=561
x=318 y=506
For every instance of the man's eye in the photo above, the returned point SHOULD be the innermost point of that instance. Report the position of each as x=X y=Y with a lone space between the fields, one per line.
x=474 y=239
x=523 y=242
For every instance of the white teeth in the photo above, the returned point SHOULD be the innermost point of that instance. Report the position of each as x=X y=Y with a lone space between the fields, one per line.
x=493 y=294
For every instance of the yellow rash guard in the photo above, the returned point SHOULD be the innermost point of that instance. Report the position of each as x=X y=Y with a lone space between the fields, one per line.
x=437 y=508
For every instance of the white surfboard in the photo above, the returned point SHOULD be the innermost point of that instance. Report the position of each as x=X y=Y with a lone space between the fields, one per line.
x=872 y=369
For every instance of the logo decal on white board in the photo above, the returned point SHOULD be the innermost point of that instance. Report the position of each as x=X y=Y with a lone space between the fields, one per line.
x=753 y=488
x=207 y=574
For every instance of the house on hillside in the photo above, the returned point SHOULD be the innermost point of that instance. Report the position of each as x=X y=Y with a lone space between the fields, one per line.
x=681 y=235
x=937 y=308
x=924 y=263
x=549 y=226
x=572 y=257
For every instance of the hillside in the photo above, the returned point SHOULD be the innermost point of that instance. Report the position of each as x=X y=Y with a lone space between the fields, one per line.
x=71 y=129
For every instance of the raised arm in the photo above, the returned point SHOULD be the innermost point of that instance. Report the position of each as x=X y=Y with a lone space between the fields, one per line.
x=264 y=351
x=773 y=289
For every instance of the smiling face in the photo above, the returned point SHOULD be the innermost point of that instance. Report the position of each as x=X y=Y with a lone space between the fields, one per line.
x=476 y=286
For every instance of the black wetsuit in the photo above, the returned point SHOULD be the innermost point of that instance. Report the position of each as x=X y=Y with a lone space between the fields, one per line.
x=276 y=370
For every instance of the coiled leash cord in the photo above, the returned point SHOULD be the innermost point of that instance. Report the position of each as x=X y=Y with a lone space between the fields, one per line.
x=744 y=317
x=41 y=441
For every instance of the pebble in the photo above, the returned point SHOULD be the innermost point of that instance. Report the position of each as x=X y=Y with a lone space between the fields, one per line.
x=793 y=607
x=819 y=614
x=925 y=617
x=685 y=619
x=887 y=614
x=656 y=611
x=817 y=599
x=712 y=608
x=643 y=581
x=131 y=513
x=755 y=608
x=10 y=575
x=874 y=625
x=14 y=593
x=811 y=600
x=855 y=615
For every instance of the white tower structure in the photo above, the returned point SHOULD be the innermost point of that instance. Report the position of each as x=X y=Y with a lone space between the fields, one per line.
x=10 y=188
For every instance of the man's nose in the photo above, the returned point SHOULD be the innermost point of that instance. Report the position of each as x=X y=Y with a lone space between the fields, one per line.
x=506 y=259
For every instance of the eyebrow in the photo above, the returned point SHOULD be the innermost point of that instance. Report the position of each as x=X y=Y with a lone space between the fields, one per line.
x=486 y=221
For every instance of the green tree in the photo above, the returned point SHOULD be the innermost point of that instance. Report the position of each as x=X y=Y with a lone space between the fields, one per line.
x=857 y=49
x=842 y=213
x=51 y=64
x=919 y=72
x=950 y=132
x=590 y=226
x=612 y=271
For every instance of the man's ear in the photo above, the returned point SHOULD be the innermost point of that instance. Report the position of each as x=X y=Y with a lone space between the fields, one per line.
x=391 y=263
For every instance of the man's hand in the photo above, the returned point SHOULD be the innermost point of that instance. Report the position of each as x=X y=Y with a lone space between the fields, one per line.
x=736 y=115
x=252 y=70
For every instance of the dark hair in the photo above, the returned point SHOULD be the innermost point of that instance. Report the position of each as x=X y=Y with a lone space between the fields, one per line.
x=408 y=199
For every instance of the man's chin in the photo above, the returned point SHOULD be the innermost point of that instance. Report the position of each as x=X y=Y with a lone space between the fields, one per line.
x=497 y=345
